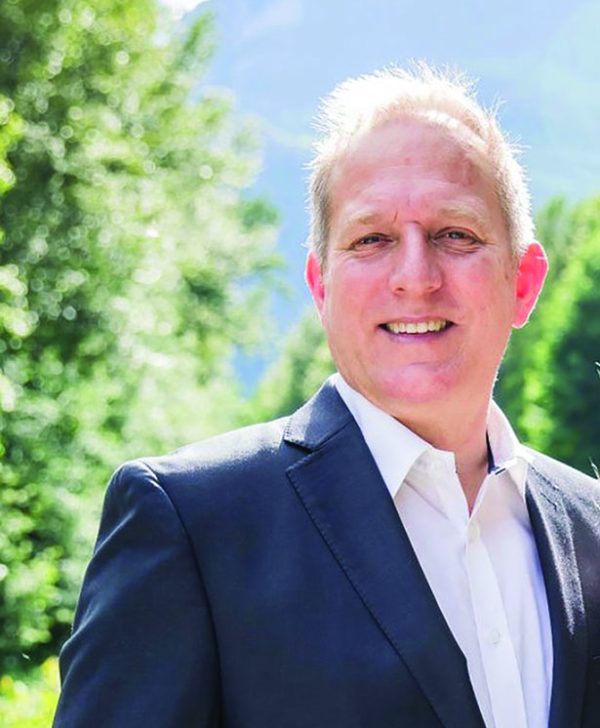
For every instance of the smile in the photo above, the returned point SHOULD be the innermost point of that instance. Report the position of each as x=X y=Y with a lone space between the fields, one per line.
x=416 y=327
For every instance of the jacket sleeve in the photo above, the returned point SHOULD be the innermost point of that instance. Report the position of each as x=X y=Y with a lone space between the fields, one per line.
x=143 y=650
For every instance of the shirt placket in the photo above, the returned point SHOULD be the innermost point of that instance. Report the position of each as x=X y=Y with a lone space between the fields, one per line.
x=498 y=656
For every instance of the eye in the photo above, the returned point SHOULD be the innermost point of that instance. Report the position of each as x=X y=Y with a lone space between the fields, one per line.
x=370 y=241
x=458 y=240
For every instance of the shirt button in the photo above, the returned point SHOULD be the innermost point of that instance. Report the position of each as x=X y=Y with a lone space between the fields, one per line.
x=494 y=636
x=473 y=532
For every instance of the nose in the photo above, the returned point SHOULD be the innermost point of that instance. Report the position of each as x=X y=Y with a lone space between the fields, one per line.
x=416 y=265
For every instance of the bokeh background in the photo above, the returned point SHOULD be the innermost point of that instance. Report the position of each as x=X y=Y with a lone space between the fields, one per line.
x=152 y=193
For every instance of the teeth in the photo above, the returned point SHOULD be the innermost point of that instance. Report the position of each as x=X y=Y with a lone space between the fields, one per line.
x=422 y=327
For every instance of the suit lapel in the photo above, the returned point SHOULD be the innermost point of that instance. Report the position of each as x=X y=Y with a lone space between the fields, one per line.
x=346 y=498
x=552 y=530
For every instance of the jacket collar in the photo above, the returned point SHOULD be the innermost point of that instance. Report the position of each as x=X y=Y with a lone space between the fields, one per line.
x=547 y=489
x=318 y=419
x=349 y=504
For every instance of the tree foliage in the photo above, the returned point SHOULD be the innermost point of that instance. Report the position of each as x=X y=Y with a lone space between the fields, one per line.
x=131 y=262
x=549 y=384
x=15 y=320
x=30 y=702
x=300 y=370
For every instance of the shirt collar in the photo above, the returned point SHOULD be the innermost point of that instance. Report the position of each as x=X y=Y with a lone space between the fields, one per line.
x=508 y=454
x=396 y=449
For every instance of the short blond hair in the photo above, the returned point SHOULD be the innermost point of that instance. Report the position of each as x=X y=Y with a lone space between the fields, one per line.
x=443 y=97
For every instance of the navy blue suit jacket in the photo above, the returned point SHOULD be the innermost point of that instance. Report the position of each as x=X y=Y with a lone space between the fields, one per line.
x=263 y=579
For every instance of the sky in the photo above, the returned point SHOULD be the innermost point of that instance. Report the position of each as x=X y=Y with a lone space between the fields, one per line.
x=539 y=57
x=180 y=7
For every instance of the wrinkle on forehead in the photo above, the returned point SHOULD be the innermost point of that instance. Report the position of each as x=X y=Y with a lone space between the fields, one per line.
x=446 y=166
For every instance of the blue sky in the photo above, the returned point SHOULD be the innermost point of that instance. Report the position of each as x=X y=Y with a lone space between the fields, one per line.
x=540 y=56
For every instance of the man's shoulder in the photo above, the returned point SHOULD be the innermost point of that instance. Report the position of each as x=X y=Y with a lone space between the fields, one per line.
x=563 y=477
x=231 y=452
x=209 y=480
x=235 y=476
x=250 y=453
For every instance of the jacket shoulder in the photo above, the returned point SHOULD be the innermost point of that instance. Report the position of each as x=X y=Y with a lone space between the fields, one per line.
x=242 y=453
x=252 y=451
x=229 y=450
x=210 y=483
x=564 y=477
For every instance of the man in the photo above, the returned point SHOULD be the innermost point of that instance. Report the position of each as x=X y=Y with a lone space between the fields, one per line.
x=389 y=556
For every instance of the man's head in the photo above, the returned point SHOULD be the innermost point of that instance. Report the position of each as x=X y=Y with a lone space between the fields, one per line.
x=422 y=264
x=447 y=100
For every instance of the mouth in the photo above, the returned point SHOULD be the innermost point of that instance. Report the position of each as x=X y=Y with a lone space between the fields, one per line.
x=417 y=328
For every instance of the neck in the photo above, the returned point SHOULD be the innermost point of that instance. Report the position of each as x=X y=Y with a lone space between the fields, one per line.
x=463 y=434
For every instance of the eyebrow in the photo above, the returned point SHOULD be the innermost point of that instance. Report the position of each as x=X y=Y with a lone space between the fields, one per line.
x=360 y=219
x=469 y=212
x=458 y=210
x=363 y=219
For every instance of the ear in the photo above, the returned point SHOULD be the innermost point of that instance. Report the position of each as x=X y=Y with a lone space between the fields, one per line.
x=314 y=279
x=531 y=274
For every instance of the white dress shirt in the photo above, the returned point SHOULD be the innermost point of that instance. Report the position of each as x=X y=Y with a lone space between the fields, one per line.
x=483 y=568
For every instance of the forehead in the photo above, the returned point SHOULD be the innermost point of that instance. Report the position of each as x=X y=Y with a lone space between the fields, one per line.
x=413 y=165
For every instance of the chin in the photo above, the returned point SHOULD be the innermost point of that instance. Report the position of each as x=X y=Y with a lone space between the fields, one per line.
x=400 y=397
x=416 y=385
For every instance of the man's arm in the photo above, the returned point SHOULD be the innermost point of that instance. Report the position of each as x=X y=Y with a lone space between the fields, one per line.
x=143 y=649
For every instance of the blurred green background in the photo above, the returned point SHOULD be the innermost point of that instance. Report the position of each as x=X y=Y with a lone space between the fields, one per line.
x=137 y=259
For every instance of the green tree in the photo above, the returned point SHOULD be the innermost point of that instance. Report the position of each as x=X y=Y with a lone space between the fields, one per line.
x=15 y=320
x=30 y=701
x=300 y=370
x=548 y=383
x=137 y=262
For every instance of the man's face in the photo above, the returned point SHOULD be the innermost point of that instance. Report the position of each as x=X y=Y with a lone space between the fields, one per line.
x=419 y=290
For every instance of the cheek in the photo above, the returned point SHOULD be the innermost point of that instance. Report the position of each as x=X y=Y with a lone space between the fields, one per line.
x=347 y=310
x=490 y=286
x=348 y=290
